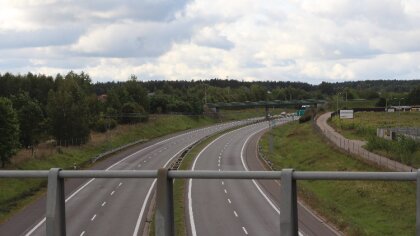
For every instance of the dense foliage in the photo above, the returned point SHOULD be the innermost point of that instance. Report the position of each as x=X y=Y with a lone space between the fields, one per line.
x=67 y=107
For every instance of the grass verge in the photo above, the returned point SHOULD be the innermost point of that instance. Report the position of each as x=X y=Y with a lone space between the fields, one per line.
x=364 y=125
x=355 y=207
x=16 y=193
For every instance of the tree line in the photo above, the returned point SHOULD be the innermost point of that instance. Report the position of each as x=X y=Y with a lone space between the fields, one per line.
x=37 y=107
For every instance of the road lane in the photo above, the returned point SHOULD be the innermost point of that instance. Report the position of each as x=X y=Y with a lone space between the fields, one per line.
x=86 y=212
x=254 y=203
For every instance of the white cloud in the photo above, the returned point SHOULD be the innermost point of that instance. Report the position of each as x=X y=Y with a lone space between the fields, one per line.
x=290 y=40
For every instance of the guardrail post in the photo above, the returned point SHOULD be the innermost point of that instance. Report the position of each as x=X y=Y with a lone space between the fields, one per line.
x=288 y=204
x=56 y=210
x=418 y=204
x=164 y=217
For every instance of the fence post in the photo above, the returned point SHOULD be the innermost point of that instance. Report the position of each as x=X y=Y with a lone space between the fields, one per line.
x=56 y=210
x=164 y=217
x=288 y=204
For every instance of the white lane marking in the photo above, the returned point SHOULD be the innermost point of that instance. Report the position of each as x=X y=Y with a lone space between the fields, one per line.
x=244 y=229
x=103 y=204
x=253 y=181
x=93 y=218
x=144 y=161
x=225 y=191
x=120 y=184
x=190 y=210
x=218 y=165
x=223 y=183
x=230 y=202
x=112 y=193
x=139 y=165
x=143 y=207
x=219 y=169
x=116 y=163
x=83 y=233
x=219 y=161
x=236 y=214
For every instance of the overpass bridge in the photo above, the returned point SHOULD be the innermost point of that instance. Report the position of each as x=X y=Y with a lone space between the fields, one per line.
x=265 y=104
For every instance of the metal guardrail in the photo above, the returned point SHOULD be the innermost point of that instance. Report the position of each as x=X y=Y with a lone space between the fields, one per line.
x=164 y=217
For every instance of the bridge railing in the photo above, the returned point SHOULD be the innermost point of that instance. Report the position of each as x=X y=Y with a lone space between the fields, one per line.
x=164 y=217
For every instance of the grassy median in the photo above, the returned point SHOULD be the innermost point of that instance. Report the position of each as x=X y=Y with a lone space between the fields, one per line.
x=355 y=207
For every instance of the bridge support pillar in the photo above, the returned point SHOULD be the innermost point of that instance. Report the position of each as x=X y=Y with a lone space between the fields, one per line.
x=56 y=210
x=288 y=204
x=418 y=204
x=164 y=217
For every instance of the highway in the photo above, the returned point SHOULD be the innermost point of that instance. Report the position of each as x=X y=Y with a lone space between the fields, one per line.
x=112 y=206
x=240 y=207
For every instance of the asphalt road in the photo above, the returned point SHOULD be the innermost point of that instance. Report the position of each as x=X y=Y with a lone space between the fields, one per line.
x=240 y=207
x=111 y=206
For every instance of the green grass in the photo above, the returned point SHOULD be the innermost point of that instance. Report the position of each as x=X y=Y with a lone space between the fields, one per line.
x=16 y=193
x=355 y=207
x=364 y=125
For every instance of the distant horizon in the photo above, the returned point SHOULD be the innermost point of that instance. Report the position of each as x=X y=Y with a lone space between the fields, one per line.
x=190 y=80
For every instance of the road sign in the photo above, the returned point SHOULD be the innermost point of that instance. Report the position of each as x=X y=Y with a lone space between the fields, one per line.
x=346 y=114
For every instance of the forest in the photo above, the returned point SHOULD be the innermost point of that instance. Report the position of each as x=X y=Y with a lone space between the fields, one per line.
x=37 y=107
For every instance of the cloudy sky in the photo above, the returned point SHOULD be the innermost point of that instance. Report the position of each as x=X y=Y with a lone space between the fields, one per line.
x=296 y=40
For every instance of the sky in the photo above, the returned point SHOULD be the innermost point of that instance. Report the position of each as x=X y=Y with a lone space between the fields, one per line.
x=288 y=40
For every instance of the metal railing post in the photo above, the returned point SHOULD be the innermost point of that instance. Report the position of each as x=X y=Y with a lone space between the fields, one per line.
x=56 y=210
x=288 y=204
x=164 y=217
x=418 y=203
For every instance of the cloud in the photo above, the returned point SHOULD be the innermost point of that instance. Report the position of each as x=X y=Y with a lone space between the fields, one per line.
x=295 y=40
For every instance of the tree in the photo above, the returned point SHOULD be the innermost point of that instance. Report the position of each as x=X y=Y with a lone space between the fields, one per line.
x=132 y=113
x=414 y=96
x=31 y=117
x=9 y=130
x=68 y=113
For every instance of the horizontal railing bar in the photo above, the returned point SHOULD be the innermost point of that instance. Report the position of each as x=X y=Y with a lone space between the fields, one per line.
x=346 y=175
x=24 y=173
x=210 y=174
x=108 y=174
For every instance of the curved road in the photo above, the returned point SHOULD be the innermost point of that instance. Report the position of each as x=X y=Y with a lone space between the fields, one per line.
x=112 y=206
x=240 y=207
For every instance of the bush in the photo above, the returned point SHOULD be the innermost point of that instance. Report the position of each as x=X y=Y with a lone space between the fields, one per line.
x=403 y=148
x=102 y=125
x=308 y=115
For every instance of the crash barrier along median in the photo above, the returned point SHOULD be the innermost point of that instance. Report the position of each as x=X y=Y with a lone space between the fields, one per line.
x=164 y=218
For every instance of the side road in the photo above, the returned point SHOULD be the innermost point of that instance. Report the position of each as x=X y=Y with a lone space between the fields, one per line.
x=356 y=146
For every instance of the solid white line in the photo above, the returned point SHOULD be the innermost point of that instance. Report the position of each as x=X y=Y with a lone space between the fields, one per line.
x=236 y=214
x=246 y=232
x=253 y=181
x=112 y=193
x=190 y=210
x=103 y=204
x=143 y=207
x=93 y=218
x=83 y=233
